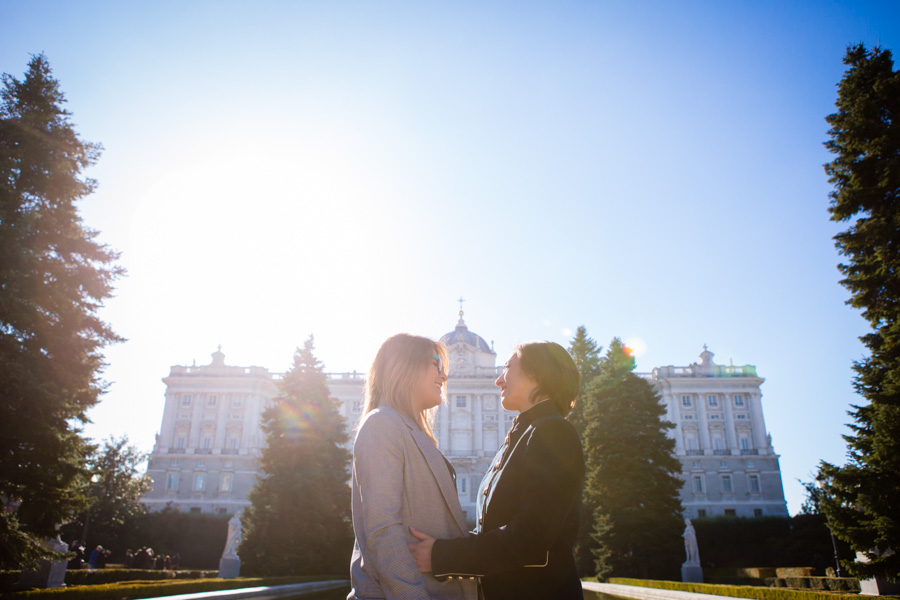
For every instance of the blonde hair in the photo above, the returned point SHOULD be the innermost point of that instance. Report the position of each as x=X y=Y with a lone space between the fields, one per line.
x=398 y=366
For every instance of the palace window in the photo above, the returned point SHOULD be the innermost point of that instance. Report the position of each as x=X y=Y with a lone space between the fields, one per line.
x=462 y=484
x=729 y=512
x=180 y=443
x=745 y=442
x=753 y=481
x=715 y=417
x=186 y=400
x=727 y=486
x=698 y=484
x=739 y=400
x=199 y=482
x=712 y=400
x=172 y=481
x=210 y=400
x=687 y=417
x=741 y=416
x=237 y=400
x=757 y=512
x=233 y=443
x=686 y=401
x=206 y=442
x=461 y=401
x=701 y=512
x=226 y=482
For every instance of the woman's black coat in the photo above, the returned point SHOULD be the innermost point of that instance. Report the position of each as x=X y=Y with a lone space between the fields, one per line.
x=528 y=505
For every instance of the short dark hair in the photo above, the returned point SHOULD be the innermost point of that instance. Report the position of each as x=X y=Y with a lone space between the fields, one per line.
x=554 y=371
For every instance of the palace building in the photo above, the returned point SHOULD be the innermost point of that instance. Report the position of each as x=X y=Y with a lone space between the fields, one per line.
x=206 y=456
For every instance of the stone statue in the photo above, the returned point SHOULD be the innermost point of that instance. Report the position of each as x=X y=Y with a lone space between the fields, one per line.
x=233 y=539
x=690 y=544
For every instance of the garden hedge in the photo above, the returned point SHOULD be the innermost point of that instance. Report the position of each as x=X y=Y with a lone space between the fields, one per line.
x=149 y=589
x=737 y=591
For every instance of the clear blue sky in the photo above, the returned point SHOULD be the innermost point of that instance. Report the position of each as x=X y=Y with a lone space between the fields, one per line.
x=651 y=170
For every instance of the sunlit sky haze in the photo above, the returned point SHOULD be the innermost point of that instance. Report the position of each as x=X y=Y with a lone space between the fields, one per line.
x=651 y=170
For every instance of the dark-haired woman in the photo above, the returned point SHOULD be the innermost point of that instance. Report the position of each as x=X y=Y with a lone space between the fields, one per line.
x=529 y=500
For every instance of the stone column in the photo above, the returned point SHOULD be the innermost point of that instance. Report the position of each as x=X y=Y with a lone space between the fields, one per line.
x=759 y=424
x=674 y=402
x=703 y=425
x=730 y=437
x=167 y=429
x=445 y=425
x=250 y=408
x=193 y=441
x=221 y=424
x=477 y=425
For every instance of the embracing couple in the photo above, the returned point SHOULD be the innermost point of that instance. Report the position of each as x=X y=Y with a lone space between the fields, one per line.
x=411 y=535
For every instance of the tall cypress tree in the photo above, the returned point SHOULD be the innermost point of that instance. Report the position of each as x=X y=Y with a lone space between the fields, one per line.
x=299 y=519
x=54 y=276
x=586 y=353
x=632 y=481
x=862 y=498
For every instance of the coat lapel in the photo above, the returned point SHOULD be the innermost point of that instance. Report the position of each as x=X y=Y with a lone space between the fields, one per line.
x=439 y=469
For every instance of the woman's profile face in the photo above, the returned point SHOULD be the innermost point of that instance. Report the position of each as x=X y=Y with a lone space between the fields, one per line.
x=515 y=386
x=427 y=392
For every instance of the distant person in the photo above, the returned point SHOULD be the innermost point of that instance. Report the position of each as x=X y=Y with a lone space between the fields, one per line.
x=529 y=500
x=77 y=561
x=400 y=478
x=128 y=561
x=176 y=560
x=95 y=557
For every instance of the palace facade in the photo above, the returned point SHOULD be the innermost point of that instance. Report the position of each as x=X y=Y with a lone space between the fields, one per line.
x=206 y=456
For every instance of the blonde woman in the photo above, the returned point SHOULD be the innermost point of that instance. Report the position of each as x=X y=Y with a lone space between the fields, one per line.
x=400 y=478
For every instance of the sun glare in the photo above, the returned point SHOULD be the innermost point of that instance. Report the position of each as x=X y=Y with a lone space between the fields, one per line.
x=637 y=346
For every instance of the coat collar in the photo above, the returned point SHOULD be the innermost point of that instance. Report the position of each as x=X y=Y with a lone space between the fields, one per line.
x=544 y=408
x=438 y=465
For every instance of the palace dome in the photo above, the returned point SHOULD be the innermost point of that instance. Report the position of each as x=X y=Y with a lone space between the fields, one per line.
x=462 y=335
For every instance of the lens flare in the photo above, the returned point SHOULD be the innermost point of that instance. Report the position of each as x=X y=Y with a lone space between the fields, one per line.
x=636 y=347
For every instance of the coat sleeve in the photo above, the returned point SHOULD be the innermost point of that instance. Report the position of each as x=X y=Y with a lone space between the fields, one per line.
x=553 y=473
x=378 y=459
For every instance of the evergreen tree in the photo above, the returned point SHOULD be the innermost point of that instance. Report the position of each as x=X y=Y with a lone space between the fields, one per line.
x=117 y=484
x=299 y=519
x=54 y=276
x=861 y=499
x=632 y=483
x=586 y=353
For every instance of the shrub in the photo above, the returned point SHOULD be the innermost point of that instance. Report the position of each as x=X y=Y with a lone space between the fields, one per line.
x=149 y=589
x=742 y=591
